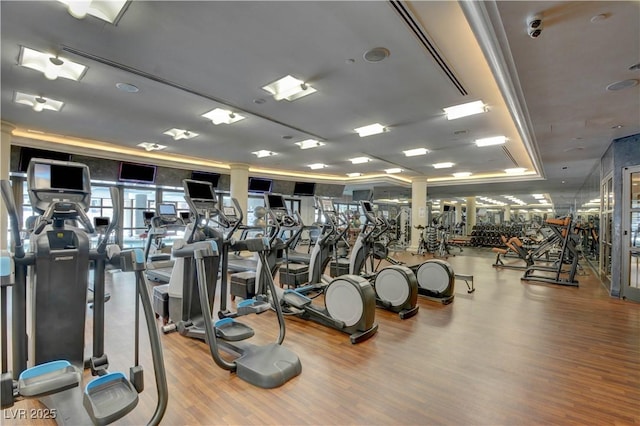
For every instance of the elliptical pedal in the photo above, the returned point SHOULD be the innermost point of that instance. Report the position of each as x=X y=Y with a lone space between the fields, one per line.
x=231 y=330
x=48 y=378
x=109 y=398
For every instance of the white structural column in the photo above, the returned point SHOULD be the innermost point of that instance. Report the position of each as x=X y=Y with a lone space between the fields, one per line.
x=458 y=212
x=240 y=186
x=418 y=209
x=5 y=157
x=507 y=213
x=471 y=214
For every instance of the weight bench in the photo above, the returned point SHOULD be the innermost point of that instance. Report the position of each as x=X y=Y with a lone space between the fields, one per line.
x=499 y=251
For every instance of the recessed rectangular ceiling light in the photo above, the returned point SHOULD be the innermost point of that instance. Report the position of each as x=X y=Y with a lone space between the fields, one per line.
x=496 y=140
x=537 y=195
x=263 y=153
x=309 y=143
x=51 y=66
x=316 y=166
x=463 y=110
x=371 y=129
x=443 y=165
x=355 y=174
x=359 y=160
x=223 y=116
x=515 y=171
x=106 y=10
x=416 y=151
x=462 y=174
x=394 y=170
x=289 y=88
x=178 y=134
x=38 y=103
x=150 y=146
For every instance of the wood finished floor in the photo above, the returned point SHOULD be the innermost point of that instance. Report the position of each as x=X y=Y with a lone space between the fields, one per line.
x=510 y=353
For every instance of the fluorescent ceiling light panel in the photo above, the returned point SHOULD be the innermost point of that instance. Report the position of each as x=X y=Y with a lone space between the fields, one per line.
x=223 y=116
x=537 y=196
x=393 y=170
x=371 y=129
x=515 y=171
x=443 y=165
x=289 y=88
x=107 y=10
x=496 y=140
x=463 y=110
x=355 y=174
x=462 y=174
x=150 y=146
x=263 y=153
x=359 y=160
x=316 y=166
x=416 y=151
x=38 y=103
x=51 y=66
x=178 y=134
x=309 y=143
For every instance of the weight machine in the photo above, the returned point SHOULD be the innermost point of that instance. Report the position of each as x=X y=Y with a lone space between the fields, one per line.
x=568 y=255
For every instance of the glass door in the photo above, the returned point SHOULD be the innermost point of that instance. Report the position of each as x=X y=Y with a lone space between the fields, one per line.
x=606 y=222
x=630 y=283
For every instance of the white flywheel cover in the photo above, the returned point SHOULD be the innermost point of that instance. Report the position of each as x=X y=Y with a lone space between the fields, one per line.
x=392 y=286
x=344 y=301
x=434 y=276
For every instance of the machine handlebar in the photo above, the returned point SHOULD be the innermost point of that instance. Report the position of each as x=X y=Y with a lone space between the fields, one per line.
x=9 y=202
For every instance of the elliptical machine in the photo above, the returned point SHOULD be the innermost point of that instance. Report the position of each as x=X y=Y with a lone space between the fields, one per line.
x=396 y=286
x=164 y=224
x=435 y=277
x=192 y=297
x=56 y=293
x=349 y=300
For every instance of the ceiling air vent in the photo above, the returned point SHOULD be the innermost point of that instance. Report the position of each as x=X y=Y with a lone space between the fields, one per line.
x=509 y=156
x=428 y=45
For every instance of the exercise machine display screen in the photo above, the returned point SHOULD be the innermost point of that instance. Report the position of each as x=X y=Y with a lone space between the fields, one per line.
x=327 y=206
x=229 y=212
x=100 y=222
x=167 y=210
x=368 y=207
x=200 y=191
x=276 y=202
x=54 y=176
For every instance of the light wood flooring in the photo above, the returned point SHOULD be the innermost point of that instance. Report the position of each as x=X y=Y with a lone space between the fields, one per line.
x=512 y=353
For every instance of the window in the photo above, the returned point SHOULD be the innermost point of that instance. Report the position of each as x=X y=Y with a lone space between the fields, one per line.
x=136 y=201
x=101 y=206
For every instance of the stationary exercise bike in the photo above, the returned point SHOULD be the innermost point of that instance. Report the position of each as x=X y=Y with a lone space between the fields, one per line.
x=349 y=300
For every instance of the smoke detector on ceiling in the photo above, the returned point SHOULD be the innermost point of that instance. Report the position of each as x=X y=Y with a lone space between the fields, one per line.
x=621 y=85
x=377 y=54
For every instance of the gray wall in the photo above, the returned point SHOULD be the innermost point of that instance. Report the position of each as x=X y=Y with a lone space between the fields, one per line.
x=624 y=152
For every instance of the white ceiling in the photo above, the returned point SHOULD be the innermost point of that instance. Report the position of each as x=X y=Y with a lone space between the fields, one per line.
x=190 y=57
